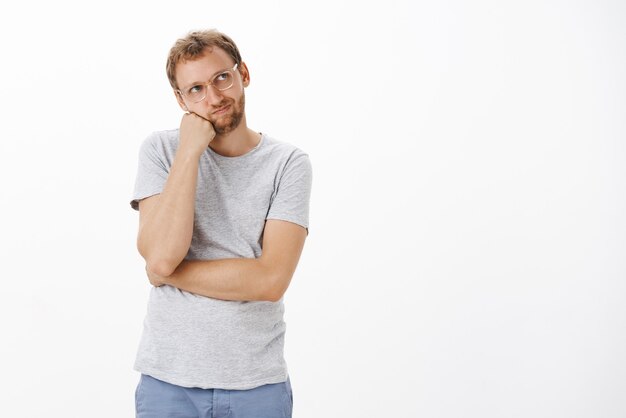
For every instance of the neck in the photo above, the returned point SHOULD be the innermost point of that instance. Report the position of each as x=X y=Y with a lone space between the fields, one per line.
x=237 y=142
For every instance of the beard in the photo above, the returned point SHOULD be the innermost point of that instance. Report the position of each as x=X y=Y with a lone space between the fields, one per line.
x=224 y=124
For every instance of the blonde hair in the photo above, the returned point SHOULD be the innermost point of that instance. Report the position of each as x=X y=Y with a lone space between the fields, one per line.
x=195 y=45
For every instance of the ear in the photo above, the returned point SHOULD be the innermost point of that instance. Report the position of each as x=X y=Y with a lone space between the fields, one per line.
x=245 y=74
x=180 y=101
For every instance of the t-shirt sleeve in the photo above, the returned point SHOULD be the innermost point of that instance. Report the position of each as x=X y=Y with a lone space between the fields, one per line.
x=291 y=199
x=152 y=171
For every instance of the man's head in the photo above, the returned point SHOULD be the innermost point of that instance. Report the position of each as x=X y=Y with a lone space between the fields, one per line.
x=204 y=57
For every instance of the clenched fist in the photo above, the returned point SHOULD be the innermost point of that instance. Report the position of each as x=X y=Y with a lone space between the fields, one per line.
x=196 y=133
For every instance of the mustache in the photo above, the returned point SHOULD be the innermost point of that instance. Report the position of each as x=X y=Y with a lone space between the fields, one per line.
x=221 y=105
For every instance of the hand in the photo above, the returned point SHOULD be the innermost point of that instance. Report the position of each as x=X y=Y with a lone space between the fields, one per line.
x=155 y=279
x=196 y=133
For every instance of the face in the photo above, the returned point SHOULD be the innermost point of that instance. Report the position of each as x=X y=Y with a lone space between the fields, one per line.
x=224 y=109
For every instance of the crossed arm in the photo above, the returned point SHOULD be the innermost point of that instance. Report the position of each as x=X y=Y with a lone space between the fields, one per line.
x=243 y=279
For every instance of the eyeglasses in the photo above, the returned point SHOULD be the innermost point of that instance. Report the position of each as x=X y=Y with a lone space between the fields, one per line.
x=222 y=81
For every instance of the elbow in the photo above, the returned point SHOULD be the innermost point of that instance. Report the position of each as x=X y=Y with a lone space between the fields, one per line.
x=158 y=264
x=163 y=268
x=160 y=259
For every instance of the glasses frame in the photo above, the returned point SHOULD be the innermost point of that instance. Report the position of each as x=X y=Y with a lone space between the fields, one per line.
x=210 y=84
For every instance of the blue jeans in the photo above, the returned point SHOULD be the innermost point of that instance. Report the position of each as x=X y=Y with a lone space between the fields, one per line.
x=157 y=399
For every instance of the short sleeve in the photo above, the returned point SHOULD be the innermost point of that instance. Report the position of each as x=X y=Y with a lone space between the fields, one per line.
x=152 y=171
x=292 y=195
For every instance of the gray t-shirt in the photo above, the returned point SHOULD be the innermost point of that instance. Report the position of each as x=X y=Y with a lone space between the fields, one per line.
x=195 y=341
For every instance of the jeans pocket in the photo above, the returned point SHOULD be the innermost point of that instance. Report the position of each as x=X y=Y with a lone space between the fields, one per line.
x=289 y=393
x=138 y=394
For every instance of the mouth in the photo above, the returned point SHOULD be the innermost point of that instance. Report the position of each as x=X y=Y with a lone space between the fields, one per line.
x=221 y=110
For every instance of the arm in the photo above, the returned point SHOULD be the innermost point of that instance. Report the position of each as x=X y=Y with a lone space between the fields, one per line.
x=244 y=279
x=166 y=220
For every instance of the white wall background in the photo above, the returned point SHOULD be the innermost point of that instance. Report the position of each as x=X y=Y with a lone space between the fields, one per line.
x=468 y=228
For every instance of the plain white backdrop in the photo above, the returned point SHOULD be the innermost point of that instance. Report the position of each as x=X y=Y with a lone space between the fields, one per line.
x=468 y=218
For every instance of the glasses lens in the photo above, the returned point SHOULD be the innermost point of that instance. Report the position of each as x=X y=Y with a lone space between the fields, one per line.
x=196 y=93
x=223 y=80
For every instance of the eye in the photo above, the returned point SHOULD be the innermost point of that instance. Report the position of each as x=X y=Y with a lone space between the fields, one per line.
x=195 y=89
x=221 y=77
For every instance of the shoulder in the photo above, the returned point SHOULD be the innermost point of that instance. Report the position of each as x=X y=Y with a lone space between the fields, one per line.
x=166 y=138
x=283 y=150
x=292 y=163
x=160 y=142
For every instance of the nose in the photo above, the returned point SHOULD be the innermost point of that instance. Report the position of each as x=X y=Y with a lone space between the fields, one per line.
x=213 y=96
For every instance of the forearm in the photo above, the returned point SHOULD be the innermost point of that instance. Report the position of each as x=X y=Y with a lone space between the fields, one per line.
x=265 y=278
x=166 y=230
x=241 y=279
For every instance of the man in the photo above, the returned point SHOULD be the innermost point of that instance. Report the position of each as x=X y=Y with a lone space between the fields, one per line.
x=223 y=220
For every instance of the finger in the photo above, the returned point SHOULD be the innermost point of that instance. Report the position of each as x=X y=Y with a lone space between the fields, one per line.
x=200 y=116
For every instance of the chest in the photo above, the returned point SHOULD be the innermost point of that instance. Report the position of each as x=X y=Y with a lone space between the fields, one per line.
x=232 y=204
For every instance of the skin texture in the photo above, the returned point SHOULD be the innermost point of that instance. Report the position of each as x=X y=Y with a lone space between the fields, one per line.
x=166 y=220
